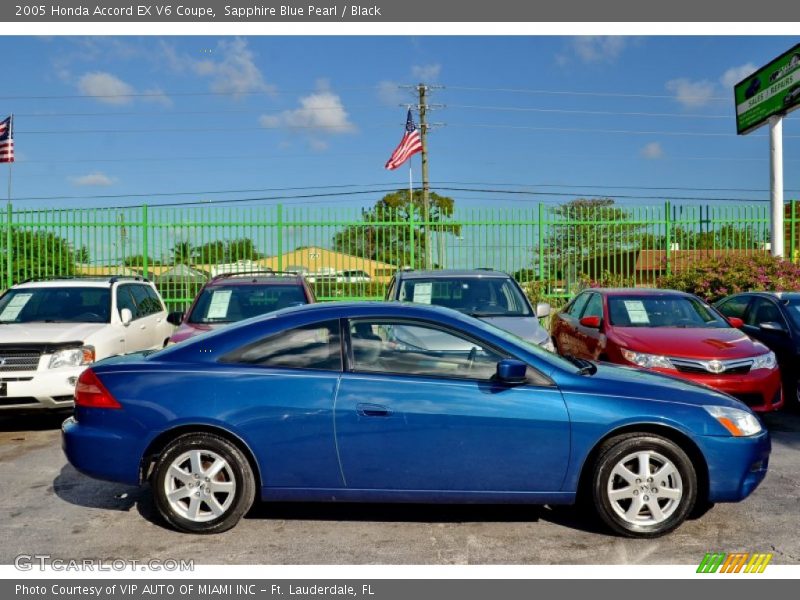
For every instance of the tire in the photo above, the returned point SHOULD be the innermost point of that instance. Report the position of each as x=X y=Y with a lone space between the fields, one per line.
x=202 y=483
x=623 y=484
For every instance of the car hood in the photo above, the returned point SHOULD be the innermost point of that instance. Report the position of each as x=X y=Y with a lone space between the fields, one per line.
x=527 y=328
x=633 y=382
x=701 y=343
x=48 y=333
x=186 y=331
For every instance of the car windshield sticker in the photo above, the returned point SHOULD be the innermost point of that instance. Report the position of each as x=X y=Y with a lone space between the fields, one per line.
x=422 y=293
x=14 y=307
x=636 y=312
x=218 y=309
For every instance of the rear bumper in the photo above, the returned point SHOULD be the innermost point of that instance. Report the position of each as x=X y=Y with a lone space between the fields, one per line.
x=100 y=452
x=760 y=390
x=736 y=466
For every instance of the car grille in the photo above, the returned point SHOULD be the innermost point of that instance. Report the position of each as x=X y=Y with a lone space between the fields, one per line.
x=18 y=361
x=736 y=366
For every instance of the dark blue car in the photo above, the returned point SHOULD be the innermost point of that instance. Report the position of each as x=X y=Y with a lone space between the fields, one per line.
x=383 y=402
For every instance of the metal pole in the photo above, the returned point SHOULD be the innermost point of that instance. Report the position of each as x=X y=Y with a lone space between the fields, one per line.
x=776 y=184
x=423 y=130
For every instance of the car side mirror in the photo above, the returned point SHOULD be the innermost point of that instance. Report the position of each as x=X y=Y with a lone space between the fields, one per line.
x=542 y=310
x=512 y=371
x=735 y=322
x=772 y=327
x=175 y=317
x=592 y=322
x=126 y=316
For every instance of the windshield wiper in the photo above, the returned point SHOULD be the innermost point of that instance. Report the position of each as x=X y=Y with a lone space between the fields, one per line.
x=585 y=367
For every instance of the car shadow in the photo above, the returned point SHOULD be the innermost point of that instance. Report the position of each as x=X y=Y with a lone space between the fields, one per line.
x=33 y=420
x=76 y=488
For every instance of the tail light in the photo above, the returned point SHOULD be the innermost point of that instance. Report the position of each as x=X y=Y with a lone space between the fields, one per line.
x=91 y=393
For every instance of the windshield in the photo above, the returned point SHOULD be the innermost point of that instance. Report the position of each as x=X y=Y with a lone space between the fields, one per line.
x=226 y=304
x=662 y=311
x=56 y=305
x=479 y=297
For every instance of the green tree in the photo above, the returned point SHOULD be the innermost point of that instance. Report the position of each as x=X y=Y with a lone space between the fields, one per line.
x=390 y=225
x=137 y=260
x=210 y=253
x=82 y=255
x=726 y=237
x=241 y=249
x=38 y=254
x=182 y=253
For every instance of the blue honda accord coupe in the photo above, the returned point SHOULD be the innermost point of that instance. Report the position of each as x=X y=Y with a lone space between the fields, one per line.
x=380 y=402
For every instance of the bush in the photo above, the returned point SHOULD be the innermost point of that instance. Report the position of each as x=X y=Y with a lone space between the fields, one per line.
x=715 y=277
x=607 y=279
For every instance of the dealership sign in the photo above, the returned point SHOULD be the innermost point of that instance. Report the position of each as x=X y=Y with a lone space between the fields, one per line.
x=772 y=90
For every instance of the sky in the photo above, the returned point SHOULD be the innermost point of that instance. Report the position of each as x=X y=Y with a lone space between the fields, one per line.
x=115 y=121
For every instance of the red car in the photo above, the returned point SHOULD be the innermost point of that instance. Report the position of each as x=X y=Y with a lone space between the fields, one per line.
x=236 y=296
x=673 y=333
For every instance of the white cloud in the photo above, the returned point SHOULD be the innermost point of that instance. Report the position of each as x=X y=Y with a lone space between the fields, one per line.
x=156 y=96
x=105 y=87
x=321 y=111
x=596 y=48
x=652 y=151
x=231 y=67
x=426 y=73
x=691 y=94
x=93 y=179
x=735 y=74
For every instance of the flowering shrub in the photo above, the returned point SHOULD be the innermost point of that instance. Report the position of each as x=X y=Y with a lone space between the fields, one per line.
x=714 y=277
x=607 y=279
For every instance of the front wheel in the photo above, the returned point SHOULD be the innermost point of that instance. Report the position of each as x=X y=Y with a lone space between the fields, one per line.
x=643 y=485
x=202 y=483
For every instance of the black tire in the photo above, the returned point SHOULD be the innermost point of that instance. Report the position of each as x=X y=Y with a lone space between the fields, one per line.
x=644 y=522
x=237 y=473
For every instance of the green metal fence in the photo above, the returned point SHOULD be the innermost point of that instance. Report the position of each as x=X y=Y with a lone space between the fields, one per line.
x=352 y=253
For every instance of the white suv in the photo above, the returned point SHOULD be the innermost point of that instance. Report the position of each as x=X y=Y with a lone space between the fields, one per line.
x=50 y=330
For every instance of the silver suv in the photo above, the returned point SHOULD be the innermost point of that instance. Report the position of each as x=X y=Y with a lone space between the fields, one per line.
x=51 y=330
x=492 y=296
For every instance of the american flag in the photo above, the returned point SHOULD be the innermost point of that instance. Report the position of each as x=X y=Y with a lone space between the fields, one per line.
x=409 y=145
x=6 y=141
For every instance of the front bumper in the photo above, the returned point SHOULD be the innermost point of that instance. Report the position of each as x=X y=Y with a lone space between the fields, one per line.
x=44 y=389
x=736 y=466
x=760 y=389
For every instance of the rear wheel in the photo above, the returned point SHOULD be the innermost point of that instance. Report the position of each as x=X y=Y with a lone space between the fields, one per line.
x=203 y=484
x=643 y=485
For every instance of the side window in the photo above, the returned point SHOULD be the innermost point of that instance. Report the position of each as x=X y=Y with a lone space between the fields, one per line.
x=316 y=346
x=390 y=290
x=145 y=304
x=409 y=348
x=154 y=299
x=576 y=308
x=735 y=307
x=763 y=311
x=594 y=307
x=125 y=300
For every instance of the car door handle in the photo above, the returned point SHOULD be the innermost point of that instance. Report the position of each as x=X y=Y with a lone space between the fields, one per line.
x=372 y=410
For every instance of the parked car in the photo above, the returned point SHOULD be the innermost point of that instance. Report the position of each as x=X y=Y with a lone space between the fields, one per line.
x=792 y=96
x=51 y=329
x=673 y=333
x=231 y=297
x=772 y=318
x=329 y=402
x=490 y=295
x=353 y=276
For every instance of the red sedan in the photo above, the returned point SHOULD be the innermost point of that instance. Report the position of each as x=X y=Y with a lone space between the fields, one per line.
x=673 y=333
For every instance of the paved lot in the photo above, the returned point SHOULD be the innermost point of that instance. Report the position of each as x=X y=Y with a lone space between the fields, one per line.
x=46 y=507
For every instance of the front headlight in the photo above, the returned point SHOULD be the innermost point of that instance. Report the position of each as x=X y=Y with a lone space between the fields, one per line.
x=739 y=422
x=547 y=344
x=765 y=361
x=647 y=361
x=72 y=357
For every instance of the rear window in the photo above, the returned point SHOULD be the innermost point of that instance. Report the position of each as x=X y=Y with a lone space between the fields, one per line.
x=229 y=303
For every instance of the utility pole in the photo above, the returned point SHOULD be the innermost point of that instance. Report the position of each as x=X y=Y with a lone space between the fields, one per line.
x=422 y=89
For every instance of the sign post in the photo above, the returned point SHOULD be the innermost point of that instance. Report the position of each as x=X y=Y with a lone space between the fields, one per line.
x=765 y=97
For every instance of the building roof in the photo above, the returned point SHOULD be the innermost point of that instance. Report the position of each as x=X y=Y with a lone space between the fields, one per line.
x=450 y=273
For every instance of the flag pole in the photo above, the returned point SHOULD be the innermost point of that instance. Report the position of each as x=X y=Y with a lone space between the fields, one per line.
x=9 y=260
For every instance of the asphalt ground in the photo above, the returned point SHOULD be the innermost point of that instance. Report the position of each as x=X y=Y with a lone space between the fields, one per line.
x=46 y=507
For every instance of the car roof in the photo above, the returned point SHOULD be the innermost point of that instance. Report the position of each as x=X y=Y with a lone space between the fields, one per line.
x=450 y=273
x=99 y=282
x=637 y=292
x=771 y=294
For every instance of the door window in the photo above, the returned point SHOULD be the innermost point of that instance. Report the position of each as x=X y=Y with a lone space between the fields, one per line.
x=764 y=311
x=125 y=300
x=413 y=348
x=577 y=305
x=594 y=308
x=735 y=307
x=145 y=303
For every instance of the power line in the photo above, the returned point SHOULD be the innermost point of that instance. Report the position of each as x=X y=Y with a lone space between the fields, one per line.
x=586 y=112
x=582 y=93
x=609 y=131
